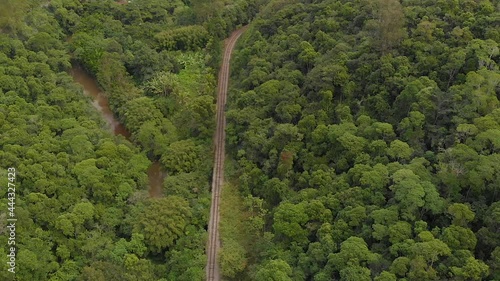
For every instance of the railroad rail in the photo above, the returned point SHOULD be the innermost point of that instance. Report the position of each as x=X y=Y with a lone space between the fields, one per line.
x=212 y=269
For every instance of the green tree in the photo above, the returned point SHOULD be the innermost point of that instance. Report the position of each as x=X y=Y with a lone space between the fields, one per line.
x=277 y=270
x=289 y=221
x=232 y=258
x=430 y=248
x=191 y=38
x=139 y=111
x=457 y=237
x=408 y=192
x=399 y=150
x=308 y=55
x=181 y=157
x=163 y=222
x=386 y=276
x=356 y=272
x=462 y=214
x=163 y=84
x=389 y=24
x=88 y=174
x=472 y=270
x=354 y=252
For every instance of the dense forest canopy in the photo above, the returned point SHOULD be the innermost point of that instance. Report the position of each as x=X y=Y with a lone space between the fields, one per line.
x=367 y=140
x=364 y=137
x=82 y=204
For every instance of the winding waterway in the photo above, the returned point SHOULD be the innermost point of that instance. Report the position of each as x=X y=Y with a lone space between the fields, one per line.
x=100 y=102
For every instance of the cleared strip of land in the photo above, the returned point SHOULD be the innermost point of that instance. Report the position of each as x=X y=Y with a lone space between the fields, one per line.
x=212 y=269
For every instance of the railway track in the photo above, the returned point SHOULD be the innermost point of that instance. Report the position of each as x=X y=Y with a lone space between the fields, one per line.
x=212 y=269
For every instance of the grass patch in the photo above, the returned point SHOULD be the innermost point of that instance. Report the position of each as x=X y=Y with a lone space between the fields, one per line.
x=235 y=239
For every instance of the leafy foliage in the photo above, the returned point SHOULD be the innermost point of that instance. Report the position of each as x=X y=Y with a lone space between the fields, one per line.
x=83 y=209
x=368 y=129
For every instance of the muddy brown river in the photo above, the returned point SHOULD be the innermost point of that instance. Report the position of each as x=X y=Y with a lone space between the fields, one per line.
x=100 y=102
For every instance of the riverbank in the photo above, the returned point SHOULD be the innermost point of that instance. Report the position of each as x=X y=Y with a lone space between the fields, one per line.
x=101 y=104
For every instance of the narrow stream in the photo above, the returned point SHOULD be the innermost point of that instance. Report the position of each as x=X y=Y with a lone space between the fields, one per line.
x=100 y=102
